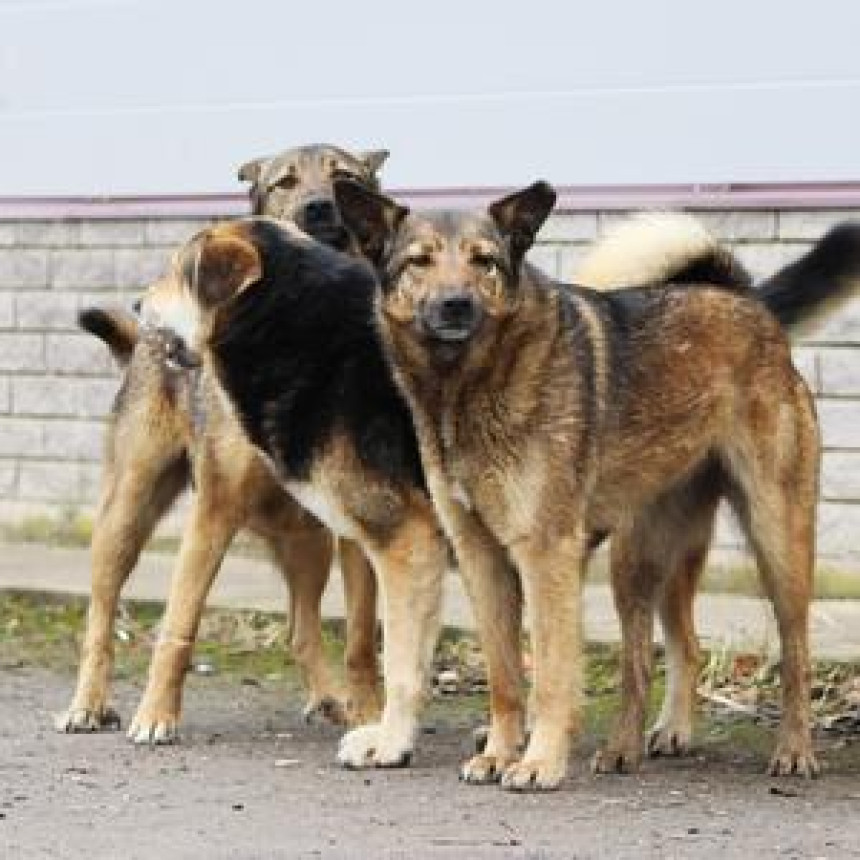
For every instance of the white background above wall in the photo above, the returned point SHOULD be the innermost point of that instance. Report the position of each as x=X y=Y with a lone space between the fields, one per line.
x=153 y=96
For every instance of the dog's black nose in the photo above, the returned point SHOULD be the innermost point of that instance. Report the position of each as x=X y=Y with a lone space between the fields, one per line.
x=320 y=212
x=452 y=316
x=457 y=310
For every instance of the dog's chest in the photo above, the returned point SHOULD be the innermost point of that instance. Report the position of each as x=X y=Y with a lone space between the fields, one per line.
x=323 y=504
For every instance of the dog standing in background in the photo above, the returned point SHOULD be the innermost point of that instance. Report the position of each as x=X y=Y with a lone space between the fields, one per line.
x=550 y=416
x=168 y=430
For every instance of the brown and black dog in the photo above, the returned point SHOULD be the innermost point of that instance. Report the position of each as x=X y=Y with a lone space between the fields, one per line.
x=549 y=416
x=287 y=340
x=169 y=428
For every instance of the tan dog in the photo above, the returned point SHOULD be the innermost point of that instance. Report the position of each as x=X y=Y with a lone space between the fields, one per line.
x=169 y=428
x=550 y=416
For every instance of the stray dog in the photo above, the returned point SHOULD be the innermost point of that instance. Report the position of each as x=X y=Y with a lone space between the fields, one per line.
x=549 y=416
x=169 y=428
x=287 y=337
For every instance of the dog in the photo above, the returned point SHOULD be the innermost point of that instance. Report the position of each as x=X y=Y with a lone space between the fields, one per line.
x=549 y=416
x=287 y=339
x=169 y=429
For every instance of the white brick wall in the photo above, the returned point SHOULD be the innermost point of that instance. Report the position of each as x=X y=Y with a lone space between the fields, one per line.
x=56 y=384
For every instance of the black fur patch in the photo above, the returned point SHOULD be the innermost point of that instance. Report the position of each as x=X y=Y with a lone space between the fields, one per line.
x=822 y=274
x=718 y=268
x=299 y=355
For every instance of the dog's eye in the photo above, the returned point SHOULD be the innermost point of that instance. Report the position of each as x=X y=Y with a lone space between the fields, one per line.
x=340 y=173
x=420 y=261
x=488 y=265
x=287 y=183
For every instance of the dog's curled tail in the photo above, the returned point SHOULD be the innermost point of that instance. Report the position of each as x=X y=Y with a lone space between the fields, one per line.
x=119 y=329
x=806 y=291
x=660 y=248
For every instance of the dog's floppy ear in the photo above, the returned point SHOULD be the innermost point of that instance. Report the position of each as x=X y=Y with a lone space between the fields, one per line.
x=219 y=266
x=520 y=215
x=373 y=159
x=373 y=219
x=250 y=170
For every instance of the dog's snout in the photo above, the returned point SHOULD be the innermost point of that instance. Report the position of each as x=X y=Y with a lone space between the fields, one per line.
x=457 y=310
x=320 y=211
x=452 y=316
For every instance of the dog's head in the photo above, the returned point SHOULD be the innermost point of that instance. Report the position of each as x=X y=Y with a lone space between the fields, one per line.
x=448 y=278
x=298 y=185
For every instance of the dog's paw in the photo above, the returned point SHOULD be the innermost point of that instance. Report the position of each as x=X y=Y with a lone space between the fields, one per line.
x=794 y=758
x=372 y=746
x=328 y=708
x=669 y=740
x=150 y=729
x=483 y=769
x=616 y=759
x=86 y=720
x=534 y=775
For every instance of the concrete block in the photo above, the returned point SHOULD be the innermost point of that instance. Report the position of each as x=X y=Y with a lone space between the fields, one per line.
x=74 y=440
x=172 y=233
x=49 y=234
x=840 y=477
x=739 y=225
x=838 y=528
x=840 y=423
x=7 y=309
x=23 y=269
x=811 y=224
x=8 y=477
x=46 y=309
x=80 y=354
x=569 y=227
x=840 y=327
x=5 y=395
x=22 y=352
x=83 y=269
x=63 y=396
x=50 y=481
x=839 y=370
x=571 y=258
x=20 y=437
x=8 y=234
x=138 y=268
x=112 y=233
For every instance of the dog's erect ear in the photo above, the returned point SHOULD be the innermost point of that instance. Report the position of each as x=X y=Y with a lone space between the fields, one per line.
x=373 y=219
x=373 y=159
x=250 y=170
x=519 y=216
x=221 y=267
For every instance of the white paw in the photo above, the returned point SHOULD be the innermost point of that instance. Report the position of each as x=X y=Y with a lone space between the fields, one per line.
x=373 y=746
x=155 y=731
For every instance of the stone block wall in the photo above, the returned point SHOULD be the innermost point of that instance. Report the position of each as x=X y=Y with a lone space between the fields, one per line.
x=57 y=384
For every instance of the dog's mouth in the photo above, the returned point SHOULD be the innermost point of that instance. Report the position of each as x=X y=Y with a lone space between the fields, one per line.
x=450 y=334
x=335 y=236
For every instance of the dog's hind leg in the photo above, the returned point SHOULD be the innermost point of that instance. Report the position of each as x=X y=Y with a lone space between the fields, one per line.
x=362 y=671
x=775 y=494
x=137 y=491
x=303 y=556
x=211 y=526
x=410 y=565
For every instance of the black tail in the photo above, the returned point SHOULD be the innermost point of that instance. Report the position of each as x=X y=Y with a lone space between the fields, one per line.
x=119 y=329
x=814 y=286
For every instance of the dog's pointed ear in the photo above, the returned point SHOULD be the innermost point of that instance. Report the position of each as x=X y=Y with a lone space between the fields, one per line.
x=250 y=170
x=373 y=159
x=221 y=266
x=373 y=219
x=520 y=215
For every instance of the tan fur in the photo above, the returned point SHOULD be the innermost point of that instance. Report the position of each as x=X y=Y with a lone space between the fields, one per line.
x=643 y=249
x=171 y=424
x=515 y=415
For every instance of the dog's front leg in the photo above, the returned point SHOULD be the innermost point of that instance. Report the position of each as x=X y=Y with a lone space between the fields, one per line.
x=551 y=571
x=410 y=566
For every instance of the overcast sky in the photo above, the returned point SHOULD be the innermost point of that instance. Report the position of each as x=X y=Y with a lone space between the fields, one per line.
x=169 y=96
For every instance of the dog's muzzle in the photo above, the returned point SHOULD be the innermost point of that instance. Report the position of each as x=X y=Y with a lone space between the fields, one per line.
x=452 y=317
x=320 y=219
